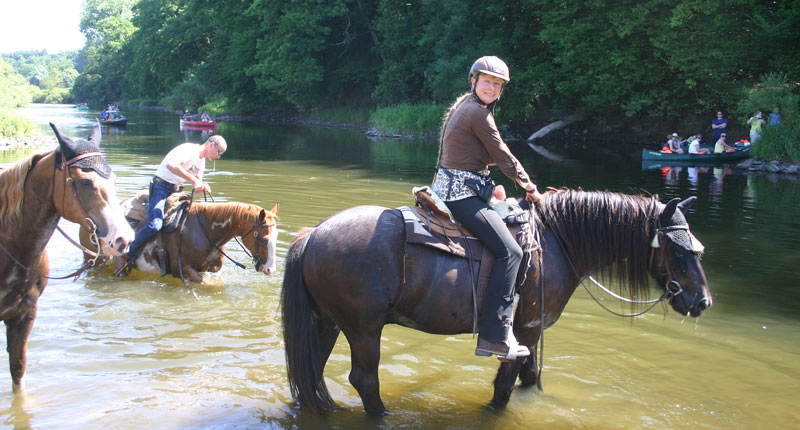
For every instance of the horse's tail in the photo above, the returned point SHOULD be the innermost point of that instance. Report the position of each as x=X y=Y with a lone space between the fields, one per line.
x=303 y=359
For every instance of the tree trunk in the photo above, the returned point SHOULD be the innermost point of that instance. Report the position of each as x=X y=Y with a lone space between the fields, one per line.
x=556 y=125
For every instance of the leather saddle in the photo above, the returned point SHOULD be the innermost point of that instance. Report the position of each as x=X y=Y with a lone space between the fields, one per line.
x=135 y=211
x=427 y=224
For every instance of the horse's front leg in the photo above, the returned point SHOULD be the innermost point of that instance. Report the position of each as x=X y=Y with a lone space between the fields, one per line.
x=529 y=372
x=17 y=332
x=192 y=275
x=505 y=380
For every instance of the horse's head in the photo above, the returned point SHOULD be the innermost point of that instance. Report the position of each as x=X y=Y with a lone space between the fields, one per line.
x=262 y=238
x=84 y=191
x=675 y=260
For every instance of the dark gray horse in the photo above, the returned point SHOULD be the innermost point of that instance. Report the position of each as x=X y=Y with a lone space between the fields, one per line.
x=352 y=273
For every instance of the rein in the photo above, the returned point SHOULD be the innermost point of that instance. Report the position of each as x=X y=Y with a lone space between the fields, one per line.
x=669 y=292
x=246 y=251
x=255 y=227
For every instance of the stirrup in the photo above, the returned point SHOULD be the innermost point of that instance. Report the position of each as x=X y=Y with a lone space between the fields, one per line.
x=515 y=350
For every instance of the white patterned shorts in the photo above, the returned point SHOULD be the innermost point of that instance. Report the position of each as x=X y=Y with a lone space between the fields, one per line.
x=451 y=186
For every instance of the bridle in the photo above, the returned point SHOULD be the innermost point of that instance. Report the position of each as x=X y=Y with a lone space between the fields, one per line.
x=672 y=288
x=256 y=257
x=89 y=224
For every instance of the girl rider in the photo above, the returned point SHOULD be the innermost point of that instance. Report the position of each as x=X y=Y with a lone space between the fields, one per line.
x=469 y=144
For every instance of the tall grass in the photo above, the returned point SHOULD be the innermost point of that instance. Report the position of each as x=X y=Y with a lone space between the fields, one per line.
x=13 y=124
x=779 y=142
x=419 y=120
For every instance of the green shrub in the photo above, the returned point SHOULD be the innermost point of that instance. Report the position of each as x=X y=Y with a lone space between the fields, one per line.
x=779 y=142
x=217 y=107
x=13 y=124
x=420 y=119
x=774 y=93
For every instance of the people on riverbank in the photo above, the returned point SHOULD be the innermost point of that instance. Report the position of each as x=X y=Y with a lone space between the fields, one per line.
x=756 y=123
x=774 y=117
x=470 y=142
x=183 y=163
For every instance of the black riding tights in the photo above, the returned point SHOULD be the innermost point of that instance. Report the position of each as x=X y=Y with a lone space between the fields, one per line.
x=485 y=223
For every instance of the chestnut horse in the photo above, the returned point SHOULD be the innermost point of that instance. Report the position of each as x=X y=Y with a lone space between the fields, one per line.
x=353 y=273
x=75 y=182
x=206 y=229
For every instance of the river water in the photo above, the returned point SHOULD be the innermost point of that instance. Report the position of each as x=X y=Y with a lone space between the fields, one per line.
x=143 y=352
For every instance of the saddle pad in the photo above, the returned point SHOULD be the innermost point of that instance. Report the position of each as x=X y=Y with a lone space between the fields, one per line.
x=172 y=217
x=418 y=233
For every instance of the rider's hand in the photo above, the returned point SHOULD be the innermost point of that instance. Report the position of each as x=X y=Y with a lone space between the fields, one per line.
x=205 y=187
x=533 y=195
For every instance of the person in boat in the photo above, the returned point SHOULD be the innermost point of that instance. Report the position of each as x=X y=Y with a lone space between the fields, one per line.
x=469 y=143
x=673 y=144
x=204 y=116
x=722 y=144
x=103 y=115
x=694 y=145
x=719 y=125
x=187 y=115
x=185 y=162
x=756 y=122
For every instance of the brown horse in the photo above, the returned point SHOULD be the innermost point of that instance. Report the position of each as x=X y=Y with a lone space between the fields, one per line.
x=206 y=229
x=353 y=273
x=73 y=182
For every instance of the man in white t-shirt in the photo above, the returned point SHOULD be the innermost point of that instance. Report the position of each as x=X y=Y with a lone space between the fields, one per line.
x=185 y=162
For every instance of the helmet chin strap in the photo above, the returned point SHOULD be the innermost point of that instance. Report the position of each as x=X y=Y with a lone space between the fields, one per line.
x=490 y=106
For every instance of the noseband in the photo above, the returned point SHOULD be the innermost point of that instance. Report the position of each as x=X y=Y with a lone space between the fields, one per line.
x=257 y=255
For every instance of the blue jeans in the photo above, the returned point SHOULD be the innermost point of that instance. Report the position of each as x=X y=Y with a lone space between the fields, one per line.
x=155 y=217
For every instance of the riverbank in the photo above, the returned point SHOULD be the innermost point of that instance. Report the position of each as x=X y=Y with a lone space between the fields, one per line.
x=27 y=142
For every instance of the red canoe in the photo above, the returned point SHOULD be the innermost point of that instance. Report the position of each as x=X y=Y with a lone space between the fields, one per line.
x=199 y=124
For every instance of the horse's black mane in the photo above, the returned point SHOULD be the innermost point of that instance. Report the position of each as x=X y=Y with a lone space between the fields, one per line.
x=601 y=229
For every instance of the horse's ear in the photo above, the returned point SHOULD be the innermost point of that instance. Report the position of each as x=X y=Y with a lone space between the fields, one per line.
x=262 y=217
x=62 y=140
x=95 y=135
x=686 y=204
x=669 y=209
x=274 y=209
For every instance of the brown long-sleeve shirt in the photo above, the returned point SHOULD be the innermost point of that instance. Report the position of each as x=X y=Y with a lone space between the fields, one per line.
x=472 y=142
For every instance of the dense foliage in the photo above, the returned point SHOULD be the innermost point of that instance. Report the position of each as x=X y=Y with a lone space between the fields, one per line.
x=51 y=75
x=15 y=91
x=615 y=61
x=774 y=94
